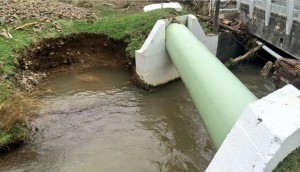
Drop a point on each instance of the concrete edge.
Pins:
(266, 132)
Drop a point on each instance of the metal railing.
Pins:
(288, 11)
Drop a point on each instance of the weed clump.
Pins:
(15, 110)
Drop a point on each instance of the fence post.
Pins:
(289, 16)
(268, 12)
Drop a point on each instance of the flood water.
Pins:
(97, 120)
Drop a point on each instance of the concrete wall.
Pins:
(275, 32)
(228, 47)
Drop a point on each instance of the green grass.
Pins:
(10, 51)
(5, 89)
(17, 134)
(8, 46)
(132, 28)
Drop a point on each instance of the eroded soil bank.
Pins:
(76, 52)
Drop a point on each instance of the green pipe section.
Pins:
(219, 96)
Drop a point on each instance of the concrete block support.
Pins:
(174, 5)
(153, 64)
(266, 132)
(211, 42)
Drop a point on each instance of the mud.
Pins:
(76, 52)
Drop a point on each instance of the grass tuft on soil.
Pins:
(14, 113)
(132, 28)
(15, 110)
(16, 135)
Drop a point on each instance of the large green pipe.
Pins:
(218, 95)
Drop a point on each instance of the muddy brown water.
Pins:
(97, 120)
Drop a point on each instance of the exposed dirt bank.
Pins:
(75, 52)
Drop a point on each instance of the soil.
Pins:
(15, 11)
(75, 52)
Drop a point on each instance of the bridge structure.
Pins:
(274, 21)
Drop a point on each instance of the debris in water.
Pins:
(249, 54)
(266, 69)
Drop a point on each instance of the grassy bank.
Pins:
(132, 28)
